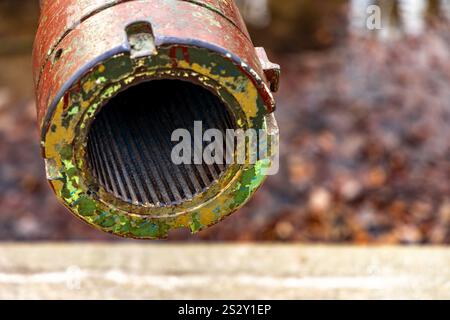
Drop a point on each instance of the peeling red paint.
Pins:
(64, 26)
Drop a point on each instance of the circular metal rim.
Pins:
(156, 212)
(64, 166)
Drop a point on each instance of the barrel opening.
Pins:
(129, 149)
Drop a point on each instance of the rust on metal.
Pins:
(95, 60)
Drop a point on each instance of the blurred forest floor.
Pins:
(365, 154)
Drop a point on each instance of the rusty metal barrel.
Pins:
(115, 78)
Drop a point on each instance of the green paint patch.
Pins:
(86, 206)
(66, 152)
(195, 225)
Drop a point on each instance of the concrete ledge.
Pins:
(98, 271)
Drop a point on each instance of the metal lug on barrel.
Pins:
(271, 70)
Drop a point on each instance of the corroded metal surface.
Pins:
(88, 51)
(73, 34)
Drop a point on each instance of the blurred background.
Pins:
(364, 118)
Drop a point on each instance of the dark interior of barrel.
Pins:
(130, 142)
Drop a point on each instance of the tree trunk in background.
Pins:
(298, 25)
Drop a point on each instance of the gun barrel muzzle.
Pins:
(117, 79)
